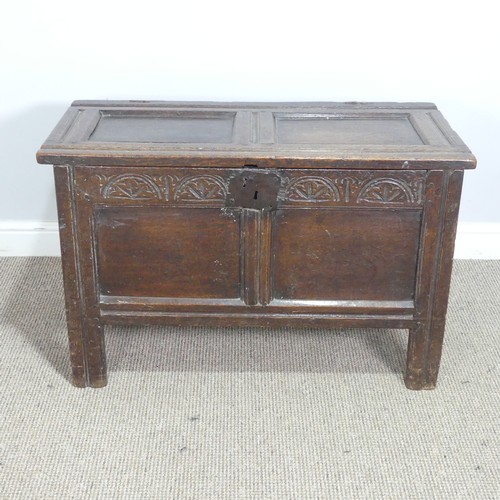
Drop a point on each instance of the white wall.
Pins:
(55, 51)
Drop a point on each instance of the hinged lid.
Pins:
(326, 135)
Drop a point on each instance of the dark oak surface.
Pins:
(256, 214)
(327, 135)
(182, 252)
(347, 257)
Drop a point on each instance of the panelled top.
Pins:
(291, 135)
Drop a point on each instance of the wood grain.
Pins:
(256, 214)
(273, 135)
(321, 254)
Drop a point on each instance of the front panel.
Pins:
(335, 254)
(317, 242)
(167, 252)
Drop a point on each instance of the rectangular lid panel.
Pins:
(164, 128)
(346, 129)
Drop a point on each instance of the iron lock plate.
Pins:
(253, 189)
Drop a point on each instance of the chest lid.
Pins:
(291, 135)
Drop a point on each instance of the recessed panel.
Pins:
(156, 128)
(334, 129)
(334, 254)
(168, 252)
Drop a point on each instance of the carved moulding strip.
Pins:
(355, 187)
(168, 187)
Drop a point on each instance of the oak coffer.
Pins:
(256, 214)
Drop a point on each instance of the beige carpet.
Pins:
(246, 413)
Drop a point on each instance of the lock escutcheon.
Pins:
(254, 189)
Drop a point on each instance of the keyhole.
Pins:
(255, 195)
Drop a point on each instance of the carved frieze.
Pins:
(356, 188)
(364, 188)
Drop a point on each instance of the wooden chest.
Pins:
(256, 214)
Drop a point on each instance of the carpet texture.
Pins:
(246, 413)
